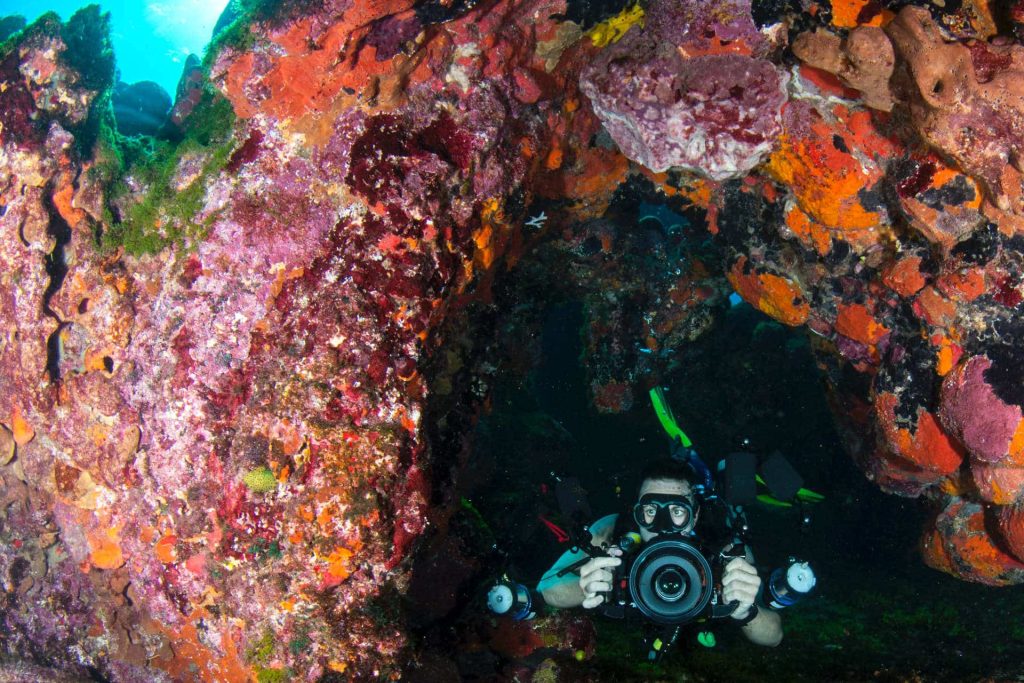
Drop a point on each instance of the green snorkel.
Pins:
(667, 419)
(683, 448)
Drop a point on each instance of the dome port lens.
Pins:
(670, 584)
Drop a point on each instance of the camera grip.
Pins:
(724, 610)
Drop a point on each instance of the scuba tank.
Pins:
(789, 585)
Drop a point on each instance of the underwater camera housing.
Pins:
(669, 582)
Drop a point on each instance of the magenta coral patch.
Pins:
(717, 115)
(971, 410)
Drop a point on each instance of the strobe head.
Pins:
(670, 582)
(508, 598)
(789, 585)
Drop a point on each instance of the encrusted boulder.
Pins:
(690, 90)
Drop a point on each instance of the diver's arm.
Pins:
(566, 594)
(741, 583)
(590, 588)
(567, 590)
(765, 628)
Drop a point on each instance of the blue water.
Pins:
(151, 38)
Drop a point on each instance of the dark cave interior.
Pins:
(744, 376)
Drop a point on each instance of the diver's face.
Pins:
(664, 491)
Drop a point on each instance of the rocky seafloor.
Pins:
(241, 364)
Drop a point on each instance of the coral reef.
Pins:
(213, 375)
(239, 366)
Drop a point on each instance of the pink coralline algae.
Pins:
(972, 410)
(670, 97)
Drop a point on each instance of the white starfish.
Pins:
(537, 221)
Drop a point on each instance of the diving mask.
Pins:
(664, 514)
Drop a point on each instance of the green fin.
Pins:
(667, 419)
(808, 496)
(772, 500)
(803, 495)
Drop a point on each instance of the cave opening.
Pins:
(736, 374)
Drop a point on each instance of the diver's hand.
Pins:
(596, 577)
(740, 582)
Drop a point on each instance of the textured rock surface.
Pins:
(688, 91)
(218, 423)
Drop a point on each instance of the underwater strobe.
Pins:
(790, 584)
(511, 599)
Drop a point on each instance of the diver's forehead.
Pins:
(669, 487)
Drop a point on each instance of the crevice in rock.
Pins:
(57, 269)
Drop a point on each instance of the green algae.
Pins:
(88, 52)
(260, 480)
(265, 550)
(269, 675)
(166, 214)
(298, 645)
(263, 649)
(88, 47)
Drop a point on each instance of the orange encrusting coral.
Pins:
(340, 564)
(20, 428)
(856, 322)
(827, 181)
(947, 355)
(934, 308)
(809, 231)
(929, 447)
(964, 285)
(165, 549)
(847, 14)
(904, 276)
(1000, 484)
(1016, 452)
(307, 77)
(63, 201)
(961, 540)
(194, 660)
(106, 549)
(773, 295)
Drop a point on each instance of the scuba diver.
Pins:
(667, 508)
(679, 555)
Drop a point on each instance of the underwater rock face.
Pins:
(140, 108)
(214, 428)
(929, 318)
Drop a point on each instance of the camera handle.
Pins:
(737, 548)
(580, 539)
(721, 611)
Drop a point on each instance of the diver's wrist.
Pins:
(752, 613)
